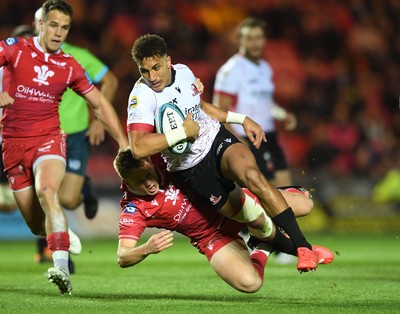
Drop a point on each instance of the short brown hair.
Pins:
(59, 5)
(124, 162)
(250, 22)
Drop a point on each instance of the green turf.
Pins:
(365, 278)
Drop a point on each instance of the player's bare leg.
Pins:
(239, 165)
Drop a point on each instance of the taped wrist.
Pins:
(278, 113)
(234, 117)
(175, 136)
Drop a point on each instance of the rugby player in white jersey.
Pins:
(244, 84)
(216, 164)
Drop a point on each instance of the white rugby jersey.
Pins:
(252, 87)
(144, 104)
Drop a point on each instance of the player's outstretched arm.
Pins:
(253, 130)
(130, 255)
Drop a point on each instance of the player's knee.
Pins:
(306, 207)
(249, 283)
(45, 193)
(69, 201)
(121, 259)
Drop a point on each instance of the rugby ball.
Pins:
(169, 118)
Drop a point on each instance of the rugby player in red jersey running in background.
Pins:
(36, 74)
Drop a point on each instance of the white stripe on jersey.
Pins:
(253, 86)
(144, 104)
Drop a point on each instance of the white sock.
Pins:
(60, 260)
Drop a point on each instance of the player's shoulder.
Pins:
(17, 42)
(140, 88)
(182, 69)
(232, 64)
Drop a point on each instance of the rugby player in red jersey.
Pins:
(148, 202)
(36, 74)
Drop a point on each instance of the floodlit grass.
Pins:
(364, 278)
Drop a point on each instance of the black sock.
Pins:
(287, 221)
(283, 244)
(41, 244)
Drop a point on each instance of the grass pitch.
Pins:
(364, 278)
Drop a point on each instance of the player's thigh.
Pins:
(71, 187)
(237, 161)
(232, 263)
(49, 173)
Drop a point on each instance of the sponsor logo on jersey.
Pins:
(133, 102)
(44, 149)
(178, 89)
(130, 208)
(126, 221)
(11, 41)
(214, 199)
(43, 73)
(33, 55)
(183, 211)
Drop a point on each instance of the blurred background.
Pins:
(336, 66)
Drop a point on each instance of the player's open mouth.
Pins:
(152, 189)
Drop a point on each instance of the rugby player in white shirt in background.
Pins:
(244, 84)
(216, 164)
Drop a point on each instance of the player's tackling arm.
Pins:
(129, 254)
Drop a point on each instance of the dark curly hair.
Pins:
(149, 45)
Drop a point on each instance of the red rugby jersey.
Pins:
(37, 80)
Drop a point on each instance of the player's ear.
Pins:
(168, 62)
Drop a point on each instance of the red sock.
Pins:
(58, 241)
(259, 259)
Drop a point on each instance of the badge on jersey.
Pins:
(133, 102)
(11, 41)
(130, 208)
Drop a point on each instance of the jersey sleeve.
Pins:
(141, 109)
(227, 79)
(132, 222)
(81, 82)
(6, 50)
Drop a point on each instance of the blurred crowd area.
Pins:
(336, 63)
